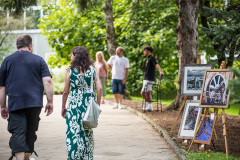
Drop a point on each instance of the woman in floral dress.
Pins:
(79, 140)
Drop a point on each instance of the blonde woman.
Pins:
(102, 72)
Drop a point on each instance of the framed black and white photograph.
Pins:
(192, 78)
(189, 119)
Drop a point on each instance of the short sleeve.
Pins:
(3, 73)
(126, 63)
(44, 69)
(110, 61)
(154, 62)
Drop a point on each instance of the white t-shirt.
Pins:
(119, 65)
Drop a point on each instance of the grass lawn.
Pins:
(233, 110)
(210, 156)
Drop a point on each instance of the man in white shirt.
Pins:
(119, 65)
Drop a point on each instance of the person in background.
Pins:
(23, 77)
(102, 72)
(119, 65)
(79, 139)
(149, 77)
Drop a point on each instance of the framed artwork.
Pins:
(192, 78)
(214, 91)
(189, 120)
(205, 132)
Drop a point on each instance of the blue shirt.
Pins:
(21, 73)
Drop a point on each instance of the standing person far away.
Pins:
(119, 65)
(79, 139)
(149, 77)
(23, 77)
(102, 72)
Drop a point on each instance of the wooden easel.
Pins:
(207, 110)
(184, 101)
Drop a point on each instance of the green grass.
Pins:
(210, 156)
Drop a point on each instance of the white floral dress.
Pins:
(79, 140)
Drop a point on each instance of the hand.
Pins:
(107, 80)
(4, 112)
(124, 81)
(64, 116)
(49, 108)
(161, 73)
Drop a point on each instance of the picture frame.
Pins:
(192, 78)
(204, 135)
(189, 119)
(214, 91)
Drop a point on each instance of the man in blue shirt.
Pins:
(23, 76)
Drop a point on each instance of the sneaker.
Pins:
(143, 107)
(120, 106)
(115, 106)
(31, 159)
(149, 108)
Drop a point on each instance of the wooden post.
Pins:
(183, 103)
(223, 66)
(198, 127)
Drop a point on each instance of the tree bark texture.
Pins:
(187, 40)
(111, 35)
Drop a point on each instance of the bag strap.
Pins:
(91, 79)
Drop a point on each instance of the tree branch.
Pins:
(128, 21)
(3, 39)
(126, 9)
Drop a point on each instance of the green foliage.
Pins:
(59, 82)
(17, 5)
(234, 86)
(152, 23)
(224, 32)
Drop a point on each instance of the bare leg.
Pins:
(120, 97)
(19, 156)
(116, 98)
(149, 95)
(26, 156)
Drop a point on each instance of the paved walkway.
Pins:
(121, 135)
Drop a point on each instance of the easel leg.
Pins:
(225, 131)
(183, 103)
(205, 113)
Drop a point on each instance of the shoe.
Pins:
(31, 159)
(115, 106)
(120, 106)
(149, 108)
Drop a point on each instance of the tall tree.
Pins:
(187, 40)
(110, 30)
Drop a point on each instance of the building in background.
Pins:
(40, 44)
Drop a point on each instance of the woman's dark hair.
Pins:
(149, 48)
(82, 59)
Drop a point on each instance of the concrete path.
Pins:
(121, 135)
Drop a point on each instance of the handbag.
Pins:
(93, 111)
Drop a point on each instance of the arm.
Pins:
(126, 75)
(99, 90)
(4, 110)
(47, 82)
(159, 70)
(107, 72)
(65, 90)
(109, 66)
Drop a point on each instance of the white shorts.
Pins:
(148, 85)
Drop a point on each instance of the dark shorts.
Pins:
(23, 124)
(118, 87)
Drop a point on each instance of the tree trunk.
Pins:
(111, 35)
(187, 33)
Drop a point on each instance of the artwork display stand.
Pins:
(207, 110)
(185, 141)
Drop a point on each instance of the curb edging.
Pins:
(162, 132)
